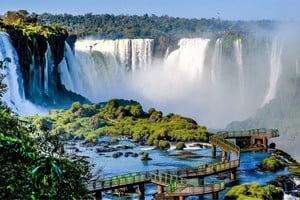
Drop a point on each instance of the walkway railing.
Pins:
(208, 187)
(167, 179)
(254, 132)
(174, 179)
(219, 140)
(179, 186)
(119, 181)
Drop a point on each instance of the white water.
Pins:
(189, 58)
(180, 83)
(216, 62)
(239, 60)
(14, 97)
(49, 65)
(132, 54)
(275, 70)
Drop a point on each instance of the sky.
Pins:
(284, 10)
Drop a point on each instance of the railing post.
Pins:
(215, 195)
(141, 191)
(200, 181)
(160, 189)
(265, 142)
(223, 155)
(233, 174)
(181, 197)
(98, 195)
(213, 151)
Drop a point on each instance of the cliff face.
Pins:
(40, 49)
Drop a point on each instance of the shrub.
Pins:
(254, 191)
(272, 164)
(180, 146)
(145, 156)
(164, 144)
(114, 140)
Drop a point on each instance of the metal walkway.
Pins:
(176, 180)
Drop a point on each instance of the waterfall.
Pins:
(275, 70)
(216, 70)
(14, 97)
(239, 60)
(189, 57)
(100, 65)
(181, 82)
(48, 70)
(132, 54)
(142, 50)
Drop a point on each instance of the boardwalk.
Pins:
(177, 181)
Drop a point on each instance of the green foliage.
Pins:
(180, 145)
(146, 26)
(121, 117)
(272, 163)
(145, 156)
(37, 167)
(28, 23)
(114, 140)
(163, 144)
(254, 191)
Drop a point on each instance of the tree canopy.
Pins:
(145, 26)
(34, 164)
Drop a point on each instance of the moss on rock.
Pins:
(254, 191)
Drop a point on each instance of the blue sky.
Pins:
(226, 9)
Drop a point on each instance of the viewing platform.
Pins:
(179, 183)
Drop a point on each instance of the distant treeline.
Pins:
(147, 26)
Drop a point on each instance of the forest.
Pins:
(147, 26)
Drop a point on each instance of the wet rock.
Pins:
(117, 155)
(128, 154)
(287, 184)
(105, 149)
(88, 144)
(134, 155)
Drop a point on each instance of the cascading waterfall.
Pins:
(100, 65)
(216, 61)
(275, 70)
(49, 65)
(142, 50)
(132, 54)
(239, 61)
(184, 81)
(99, 71)
(189, 57)
(14, 97)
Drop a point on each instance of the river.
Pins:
(106, 165)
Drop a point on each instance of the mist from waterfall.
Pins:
(14, 97)
(182, 82)
(200, 79)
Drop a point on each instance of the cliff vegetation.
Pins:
(31, 40)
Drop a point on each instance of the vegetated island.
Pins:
(121, 117)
